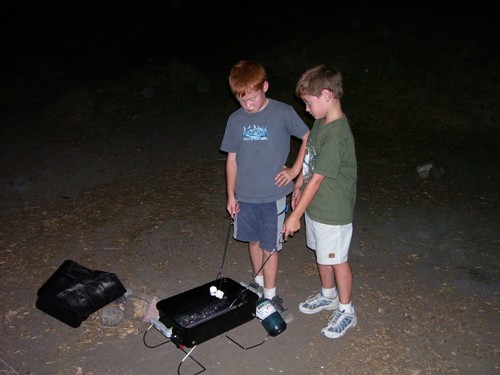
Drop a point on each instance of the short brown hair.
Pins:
(246, 76)
(318, 78)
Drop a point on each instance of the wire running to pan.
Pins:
(219, 275)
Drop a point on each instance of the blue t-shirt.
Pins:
(261, 142)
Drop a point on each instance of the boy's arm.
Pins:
(231, 169)
(297, 191)
(288, 174)
(292, 223)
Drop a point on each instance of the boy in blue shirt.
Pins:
(257, 142)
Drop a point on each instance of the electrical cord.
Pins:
(152, 346)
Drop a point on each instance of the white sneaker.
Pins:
(339, 323)
(317, 303)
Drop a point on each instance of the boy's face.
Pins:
(254, 101)
(319, 106)
(315, 106)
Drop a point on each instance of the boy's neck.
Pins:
(333, 114)
(266, 102)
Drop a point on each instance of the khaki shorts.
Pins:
(331, 242)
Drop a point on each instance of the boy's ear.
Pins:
(327, 94)
(265, 86)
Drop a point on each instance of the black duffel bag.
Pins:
(74, 292)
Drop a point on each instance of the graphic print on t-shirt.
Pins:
(254, 133)
(309, 162)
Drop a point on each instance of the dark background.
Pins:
(51, 46)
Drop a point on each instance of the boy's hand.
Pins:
(285, 177)
(232, 207)
(291, 226)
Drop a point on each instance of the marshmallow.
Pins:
(219, 294)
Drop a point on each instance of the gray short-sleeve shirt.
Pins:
(261, 142)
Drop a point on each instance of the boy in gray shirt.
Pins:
(257, 142)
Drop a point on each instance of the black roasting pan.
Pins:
(196, 316)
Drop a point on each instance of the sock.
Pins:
(269, 293)
(330, 293)
(347, 308)
(259, 280)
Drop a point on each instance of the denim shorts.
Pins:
(261, 222)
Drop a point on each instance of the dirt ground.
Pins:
(122, 173)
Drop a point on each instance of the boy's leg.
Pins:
(270, 218)
(270, 221)
(257, 283)
(322, 301)
(255, 253)
(343, 277)
(270, 270)
(331, 243)
(246, 228)
(319, 238)
(327, 276)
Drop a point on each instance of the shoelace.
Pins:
(314, 300)
(310, 299)
(335, 317)
(337, 324)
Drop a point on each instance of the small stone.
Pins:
(111, 316)
(135, 307)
